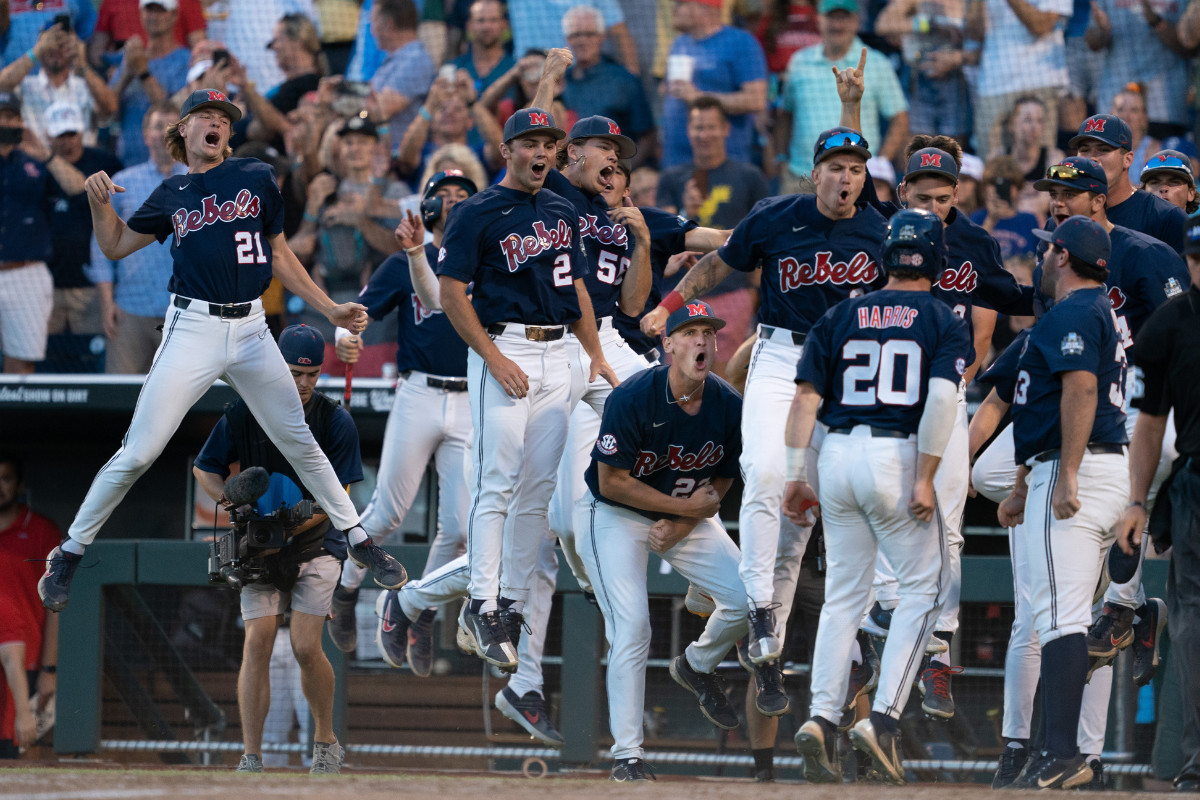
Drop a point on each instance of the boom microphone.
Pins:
(247, 486)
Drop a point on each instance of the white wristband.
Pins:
(797, 464)
(340, 333)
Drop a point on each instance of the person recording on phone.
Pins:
(303, 574)
(1003, 182)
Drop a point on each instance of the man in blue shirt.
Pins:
(28, 18)
(487, 58)
(403, 79)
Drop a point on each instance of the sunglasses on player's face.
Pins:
(849, 139)
(1167, 162)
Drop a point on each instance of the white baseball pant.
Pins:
(615, 550)
(198, 349)
(424, 423)
(515, 450)
(866, 486)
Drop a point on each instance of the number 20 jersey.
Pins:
(870, 358)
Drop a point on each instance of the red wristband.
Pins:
(672, 302)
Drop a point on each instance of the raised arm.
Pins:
(700, 280)
(705, 240)
(114, 237)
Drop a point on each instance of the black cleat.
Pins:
(762, 645)
(391, 633)
(1045, 771)
(1097, 783)
(821, 764)
(714, 705)
(1113, 631)
(55, 586)
(880, 619)
(420, 644)
(769, 697)
(935, 689)
(1012, 760)
(630, 769)
(386, 570)
(485, 636)
(764, 776)
(530, 713)
(514, 622)
(1095, 663)
(343, 628)
(883, 749)
(863, 676)
(1152, 617)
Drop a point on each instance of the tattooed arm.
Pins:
(700, 280)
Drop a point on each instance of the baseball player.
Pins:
(431, 415)
(815, 251)
(225, 218)
(521, 246)
(1072, 478)
(886, 368)
(666, 455)
(1168, 174)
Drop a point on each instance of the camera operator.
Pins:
(303, 574)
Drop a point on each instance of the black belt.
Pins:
(227, 311)
(797, 338)
(1098, 449)
(447, 384)
(534, 333)
(876, 433)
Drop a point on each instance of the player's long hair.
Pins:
(922, 141)
(177, 147)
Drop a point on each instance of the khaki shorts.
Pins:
(312, 594)
(77, 307)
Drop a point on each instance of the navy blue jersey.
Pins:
(668, 236)
(220, 222)
(809, 262)
(871, 358)
(426, 340)
(523, 252)
(1002, 374)
(1078, 333)
(644, 431)
(1152, 215)
(608, 246)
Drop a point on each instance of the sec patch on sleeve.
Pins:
(607, 444)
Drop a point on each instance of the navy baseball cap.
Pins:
(932, 161)
(1082, 238)
(1169, 161)
(210, 98)
(1076, 172)
(302, 346)
(361, 125)
(693, 311)
(531, 120)
(838, 140)
(1121, 567)
(1192, 246)
(1107, 128)
(10, 102)
(598, 127)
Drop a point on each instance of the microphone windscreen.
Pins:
(247, 486)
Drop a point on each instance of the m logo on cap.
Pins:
(214, 95)
(538, 119)
(1094, 126)
(931, 159)
(614, 129)
(697, 310)
(458, 173)
(303, 360)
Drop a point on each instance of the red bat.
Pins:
(349, 386)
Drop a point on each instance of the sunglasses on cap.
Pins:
(849, 139)
(1167, 162)
(1068, 172)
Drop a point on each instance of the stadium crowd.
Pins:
(355, 107)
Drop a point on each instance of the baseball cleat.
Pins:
(386, 570)
(1113, 631)
(714, 705)
(882, 747)
(821, 763)
(327, 759)
(250, 762)
(343, 627)
(1147, 632)
(485, 636)
(698, 602)
(513, 623)
(769, 697)
(935, 689)
(1045, 771)
(391, 632)
(530, 713)
(1012, 760)
(420, 643)
(1095, 663)
(1096, 784)
(54, 587)
(765, 776)
(935, 646)
(878, 621)
(864, 676)
(630, 769)
(762, 645)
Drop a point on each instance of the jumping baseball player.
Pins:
(666, 455)
(521, 246)
(431, 414)
(886, 368)
(1072, 479)
(225, 218)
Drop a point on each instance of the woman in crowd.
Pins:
(1130, 105)
(1022, 138)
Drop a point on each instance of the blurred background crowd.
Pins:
(356, 104)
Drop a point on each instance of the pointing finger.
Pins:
(862, 61)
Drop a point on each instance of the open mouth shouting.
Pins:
(606, 173)
(212, 138)
(538, 168)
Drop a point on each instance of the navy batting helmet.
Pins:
(431, 204)
(916, 242)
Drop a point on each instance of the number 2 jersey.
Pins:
(644, 431)
(870, 358)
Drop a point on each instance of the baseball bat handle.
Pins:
(349, 385)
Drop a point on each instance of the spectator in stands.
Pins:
(26, 286)
(715, 60)
(643, 187)
(76, 301)
(1003, 180)
(449, 114)
(1169, 175)
(403, 79)
(366, 57)
(298, 53)
(119, 21)
(810, 102)
(487, 57)
(249, 27)
(339, 24)
(133, 291)
(784, 28)
(148, 75)
(25, 22)
(1130, 106)
(454, 156)
(1084, 66)
(1023, 137)
(517, 88)
(931, 33)
(969, 179)
(538, 25)
(28, 633)
(597, 85)
(883, 175)
(1141, 45)
(64, 77)
(1023, 54)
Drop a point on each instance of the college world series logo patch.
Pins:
(607, 444)
(1072, 345)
